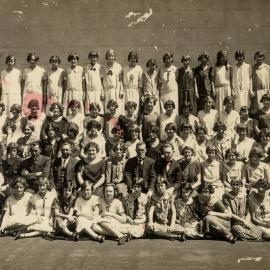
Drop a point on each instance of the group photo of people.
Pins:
(135, 150)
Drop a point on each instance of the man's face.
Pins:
(141, 150)
(168, 153)
(35, 151)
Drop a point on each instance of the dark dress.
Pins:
(186, 89)
(154, 152)
(148, 120)
(125, 123)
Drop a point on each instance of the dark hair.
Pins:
(131, 104)
(35, 143)
(187, 104)
(256, 151)
(241, 126)
(16, 107)
(150, 62)
(203, 54)
(187, 148)
(185, 57)
(67, 185)
(133, 55)
(265, 132)
(259, 54)
(11, 146)
(186, 186)
(19, 180)
(266, 96)
(199, 128)
(205, 186)
(74, 102)
(167, 145)
(113, 103)
(116, 129)
(237, 181)
(150, 98)
(169, 54)
(94, 105)
(228, 99)
(121, 145)
(161, 180)
(169, 103)
(91, 144)
(219, 55)
(49, 127)
(219, 124)
(243, 108)
(238, 53)
(28, 124)
(92, 54)
(262, 182)
(211, 147)
(153, 129)
(57, 105)
(93, 124)
(170, 126)
(33, 103)
(185, 125)
(135, 128)
(110, 51)
(3, 106)
(30, 55)
(231, 151)
(72, 56)
(55, 57)
(86, 184)
(9, 124)
(10, 57)
(73, 127)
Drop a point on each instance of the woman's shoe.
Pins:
(101, 239)
(129, 237)
(231, 239)
(76, 237)
(17, 236)
(122, 240)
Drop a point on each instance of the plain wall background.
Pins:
(181, 26)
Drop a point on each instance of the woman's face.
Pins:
(110, 57)
(11, 63)
(93, 131)
(13, 152)
(118, 152)
(204, 60)
(169, 109)
(242, 132)
(87, 192)
(186, 131)
(92, 152)
(169, 132)
(112, 109)
(231, 158)
(109, 192)
(130, 110)
(151, 67)
(94, 112)
(152, 135)
(185, 193)
(188, 154)
(186, 111)
(167, 60)
(161, 188)
(67, 192)
(56, 111)
(259, 60)
(19, 189)
(244, 114)
(54, 64)
(222, 59)
(229, 105)
(266, 103)
(240, 59)
(93, 60)
(205, 195)
(211, 154)
(51, 133)
(200, 135)
(27, 131)
(74, 62)
(235, 187)
(42, 187)
(150, 105)
(186, 62)
(34, 110)
(264, 138)
(134, 134)
(132, 62)
(254, 159)
(221, 131)
(32, 62)
(208, 105)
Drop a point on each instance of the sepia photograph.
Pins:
(134, 134)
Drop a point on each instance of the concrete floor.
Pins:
(28, 254)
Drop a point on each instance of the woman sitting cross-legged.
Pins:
(162, 214)
(235, 202)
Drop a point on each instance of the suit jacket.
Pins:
(132, 173)
(173, 175)
(61, 174)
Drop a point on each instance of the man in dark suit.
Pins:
(139, 170)
(63, 168)
(36, 166)
(169, 168)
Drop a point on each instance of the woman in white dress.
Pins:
(242, 81)
(10, 84)
(94, 88)
(132, 80)
(168, 87)
(33, 82)
(54, 82)
(112, 85)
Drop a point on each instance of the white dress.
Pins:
(33, 86)
(132, 84)
(94, 87)
(244, 147)
(221, 77)
(54, 86)
(77, 119)
(208, 120)
(74, 90)
(169, 87)
(11, 88)
(242, 85)
(112, 85)
(230, 120)
(163, 120)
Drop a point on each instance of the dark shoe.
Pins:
(182, 237)
(129, 237)
(122, 240)
(231, 239)
(101, 239)
(17, 236)
(76, 236)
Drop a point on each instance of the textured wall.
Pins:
(181, 26)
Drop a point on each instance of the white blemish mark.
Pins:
(249, 29)
(163, 25)
(220, 43)
(180, 19)
(185, 28)
(228, 38)
(143, 18)
(131, 13)
(255, 259)
(173, 31)
(18, 11)
(139, 49)
(45, 4)
(156, 48)
(144, 40)
(55, 3)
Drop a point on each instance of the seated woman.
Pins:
(255, 169)
(65, 222)
(221, 141)
(91, 168)
(201, 143)
(162, 214)
(263, 142)
(16, 209)
(57, 120)
(113, 216)
(259, 207)
(41, 209)
(115, 169)
(235, 203)
(153, 144)
(191, 168)
(252, 124)
(51, 145)
(242, 143)
(215, 217)
(117, 137)
(185, 215)
(94, 114)
(134, 139)
(25, 141)
(173, 139)
(86, 212)
(212, 172)
(231, 168)
(188, 137)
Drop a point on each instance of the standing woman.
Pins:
(54, 82)
(94, 87)
(203, 79)
(10, 84)
(187, 87)
(242, 81)
(222, 79)
(167, 86)
(33, 82)
(112, 85)
(74, 83)
(132, 80)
